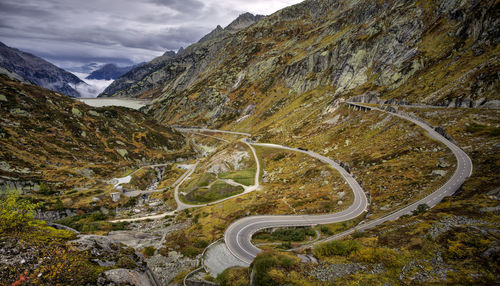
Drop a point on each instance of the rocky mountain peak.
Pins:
(212, 35)
(169, 54)
(244, 20)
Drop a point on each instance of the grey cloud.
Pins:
(10, 8)
(185, 6)
(119, 31)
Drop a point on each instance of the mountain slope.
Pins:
(38, 71)
(109, 71)
(127, 80)
(149, 79)
(46, 137)
(443, 53)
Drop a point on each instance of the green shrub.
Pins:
(122, 225)
(386, 256)
(195, 218)
(481, 129)
(46, 190)
(358, 234)
(15, 213)
(191, 251)
(58, 205)
(201, 243)
(97, 216)
(265, 262)
(286, 245)
(89, 227)
(422, 208)
(234, 276)
(325, 230)
(336, 247)
(126, 262)
(149, 251)
(279, 157)
(291, 234)
(131, 202)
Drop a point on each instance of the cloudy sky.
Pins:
(75, 32)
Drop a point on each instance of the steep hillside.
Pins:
(149, 79)
(39, 71)
(64, 144)
(129, 79)
(109, 71)
(430, 52)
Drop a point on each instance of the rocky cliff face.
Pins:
(151, 79)
(38, 71)
(430, 52)
(244, 20)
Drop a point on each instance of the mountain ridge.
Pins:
(39, 71)
(145, 80)
(109, 72)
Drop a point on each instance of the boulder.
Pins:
(126, 277)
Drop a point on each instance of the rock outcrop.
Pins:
(68, 257)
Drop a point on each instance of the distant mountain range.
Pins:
(38, 71)
(109, 72)
(87, 68)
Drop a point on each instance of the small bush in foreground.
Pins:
(15, 213)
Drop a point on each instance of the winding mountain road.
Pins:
(238, 235)
(462, 172)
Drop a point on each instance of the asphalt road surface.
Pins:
(238, 235)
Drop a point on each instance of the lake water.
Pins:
(100, 102)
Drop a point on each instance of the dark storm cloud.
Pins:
(69, 32)
(26, 10)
